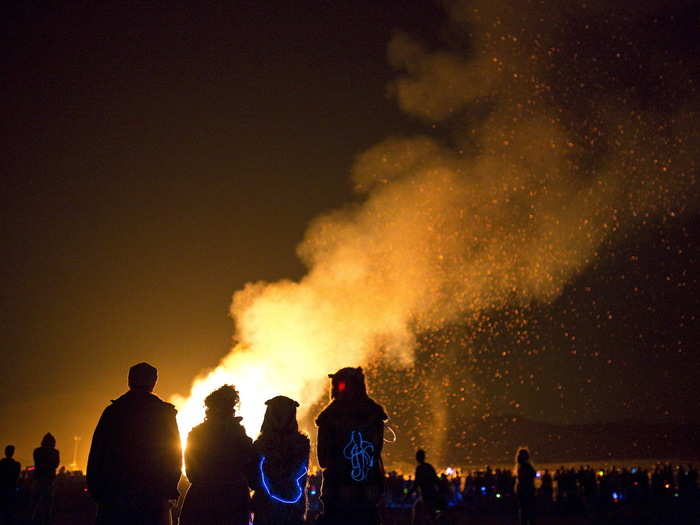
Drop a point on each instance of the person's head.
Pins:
(348, 384)
(221, 403)
(48, 440)
(9, 451)
(143, 376)
(420, 455)
(280, 416)
(523, 456)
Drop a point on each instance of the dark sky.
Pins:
(157, 159)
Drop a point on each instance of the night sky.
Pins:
(157, 159)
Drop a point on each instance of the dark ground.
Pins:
(628, 514)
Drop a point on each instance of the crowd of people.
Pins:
(42, 475)
(135, 467)
(135, 462)
(565, 491)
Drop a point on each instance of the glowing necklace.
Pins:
(296, 482)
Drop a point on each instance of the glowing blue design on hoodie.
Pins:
(361, 456)
(299, 488)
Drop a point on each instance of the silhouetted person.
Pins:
(427, 481)
(218, 460)
(547, 490)
(46, 460)
(350, 440)
(526, 487)
(281, 468)
(135, 457)
(9, 473)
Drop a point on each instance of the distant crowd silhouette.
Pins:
(46, 462)
(135, 468)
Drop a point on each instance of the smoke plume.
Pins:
(554, 129)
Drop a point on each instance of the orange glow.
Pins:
(256, 382)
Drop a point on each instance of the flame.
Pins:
(254, 378)
(248, 377)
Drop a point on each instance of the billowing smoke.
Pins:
(553, 130)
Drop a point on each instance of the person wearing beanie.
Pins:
(349, 447)
(282, 466)
(135, 456)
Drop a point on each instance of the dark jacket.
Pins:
(218, 460)
(350, 440)
(46, 458)
(427, 480)
(9, 473)
(526, 480)
(281, 466)
(135, 455)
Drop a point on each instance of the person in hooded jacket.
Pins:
(46, 461)
(219, 459)
(282, 466)
(350, 440)
(135, 456)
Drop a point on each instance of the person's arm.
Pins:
(191, 457)
(413, 489)
(380, 433)
(96, 471)
(307, 451)
(251, 461)
(173, 455)
(323, 446)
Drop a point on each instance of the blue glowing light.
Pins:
(483, 489)
(299, 489)
(361, 456)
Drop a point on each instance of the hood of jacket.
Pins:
(365, 410)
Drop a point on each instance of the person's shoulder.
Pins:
(377, 409)
(196, 430)
(131, 402)
(165, 406)
(326, 413)
(158, 404)
(302, 442)
(240, 430)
